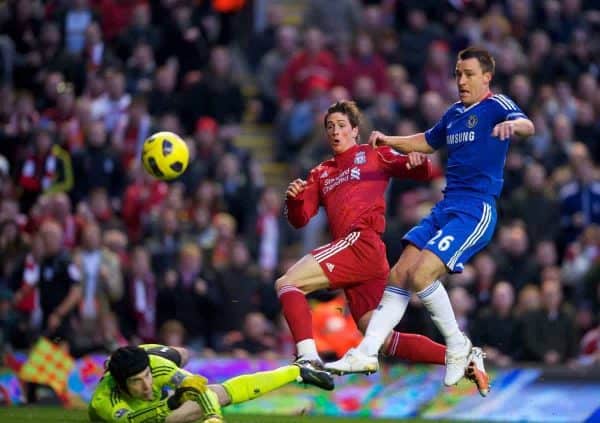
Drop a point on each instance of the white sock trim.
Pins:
(436, 299)
(307, 349)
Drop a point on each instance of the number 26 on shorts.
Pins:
(444, 243)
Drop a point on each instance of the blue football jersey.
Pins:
(475, 157)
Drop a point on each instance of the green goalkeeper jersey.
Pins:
(110, 404)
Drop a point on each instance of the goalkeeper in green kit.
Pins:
(136, 387)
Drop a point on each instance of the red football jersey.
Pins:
(351, 186)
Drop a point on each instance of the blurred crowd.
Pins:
(96, 253)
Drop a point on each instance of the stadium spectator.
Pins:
(26, 298)
(141, 67)
(548, 335)
(414, 38)
(462, 304)
(340, 18)
(13, 248)
(163, 98)
(165, 243)
(270, 231)
(437, 70)
(535, 205)
(101, 281)
(137, 310)
(39, 170)
(239, 285)
(112, 106)
(130, 132)
(364, 62)
(514, 263)
(271, 67)
(266, 36)
(59, 285)
(590, 348)
(97, 166)
(173, 332)
(486, 269)
(139, 30)
(96, 54)
(237, 188)
(304, 68)
(217, 95)
(496, 329)
(8, 320)
(24, 118)
(579, 197)
(257, 338)
(190, 294)
(141, 200)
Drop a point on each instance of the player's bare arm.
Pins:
(521, 127)
(189, 411)
(295, 187)
(407, 144)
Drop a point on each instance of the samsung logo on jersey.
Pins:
(460, 137)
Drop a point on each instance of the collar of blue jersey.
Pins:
(488, 95)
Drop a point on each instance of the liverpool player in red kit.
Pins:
(350, 186)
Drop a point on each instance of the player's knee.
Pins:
(420, 277)
(284, 281)
(281, 282)
(397, 276)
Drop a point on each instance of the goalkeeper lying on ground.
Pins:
(135, 387)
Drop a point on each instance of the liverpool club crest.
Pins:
(360, 158)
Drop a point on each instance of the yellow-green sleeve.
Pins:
(165, 372)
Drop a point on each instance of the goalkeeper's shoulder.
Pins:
(178, 355)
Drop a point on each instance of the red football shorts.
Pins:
(357, 264)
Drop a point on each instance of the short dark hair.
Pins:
(126, 362)
(485, 59)
(345, 107)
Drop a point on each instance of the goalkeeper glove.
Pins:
(189, 390)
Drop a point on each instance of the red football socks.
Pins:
(416, 348)
(297, 312)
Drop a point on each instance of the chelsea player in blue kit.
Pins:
(476, 132)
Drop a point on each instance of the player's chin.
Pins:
(336, 147)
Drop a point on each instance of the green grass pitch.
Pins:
(59, 415)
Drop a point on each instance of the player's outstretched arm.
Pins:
(521, 127)
(189, 412)
(301, 201)
(408, 144)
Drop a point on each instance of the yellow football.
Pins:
(165, 155)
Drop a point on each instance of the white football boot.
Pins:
(457, 360)
(354, 361)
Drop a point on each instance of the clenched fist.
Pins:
(295, 187)
(377, 139)
(504, 130)
(415, 160)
